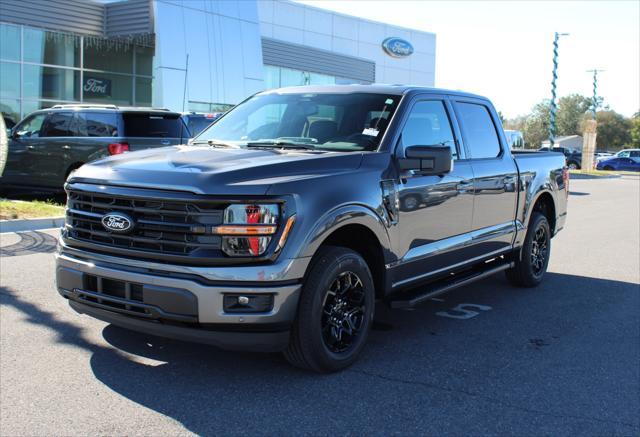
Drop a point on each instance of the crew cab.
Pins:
(285, 222)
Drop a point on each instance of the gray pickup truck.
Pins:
(288, 219)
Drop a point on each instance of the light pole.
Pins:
(553, 108)
(594, 102)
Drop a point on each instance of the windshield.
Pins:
(337, 122)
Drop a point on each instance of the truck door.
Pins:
(495, 177)
(435, 212)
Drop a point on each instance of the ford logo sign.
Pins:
(397, 47)
(117, 222)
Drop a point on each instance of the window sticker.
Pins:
(372, 132)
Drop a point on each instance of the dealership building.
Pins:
(196, 55)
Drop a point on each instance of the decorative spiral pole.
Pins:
(553, 107)
(594, 101)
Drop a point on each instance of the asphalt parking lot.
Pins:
(562, 359)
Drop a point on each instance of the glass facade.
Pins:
(39, 69)
(277, 77)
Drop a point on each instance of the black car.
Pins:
(47, 145)
(573, 156)
(363, 194)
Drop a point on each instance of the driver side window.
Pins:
(31, 127)
(428, 125)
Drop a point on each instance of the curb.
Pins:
(32, 224)
(588, 176)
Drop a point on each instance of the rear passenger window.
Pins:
(145, 125)
(58, 124)
(96, 124)
(428, 125)
(479, 131)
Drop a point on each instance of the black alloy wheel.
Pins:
(343, 312)
(529, 268)
(539, 251)
(335, 312)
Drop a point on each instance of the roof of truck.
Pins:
(375, 88)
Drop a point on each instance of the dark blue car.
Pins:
(620, 163)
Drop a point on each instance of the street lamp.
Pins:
(552, 117)
(594, 102)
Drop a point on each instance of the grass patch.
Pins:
(18, 209)
(604, 172)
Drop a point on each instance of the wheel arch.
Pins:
(545, 204)
(360, 229)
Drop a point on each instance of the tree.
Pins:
(536, 126)
(613, 130)
(571, 110)
(634, 131)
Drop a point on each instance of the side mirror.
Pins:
(427, 160)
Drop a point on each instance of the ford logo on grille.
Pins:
(397, 47)
(117, 222)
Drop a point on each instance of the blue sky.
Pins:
(503, 49)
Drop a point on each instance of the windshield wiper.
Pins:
(280, 144)
(214, 143)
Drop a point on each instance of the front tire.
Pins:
(335, 312)
(534, 257)
(573, 165)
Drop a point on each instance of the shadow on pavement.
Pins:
(212, 391)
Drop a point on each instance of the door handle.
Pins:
(66, 147)
(31, 147)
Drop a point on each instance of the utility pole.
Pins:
(594, 101)
(552, 117)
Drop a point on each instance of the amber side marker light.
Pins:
(285, 232)
(245, 230)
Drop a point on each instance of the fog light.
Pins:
(248, 303)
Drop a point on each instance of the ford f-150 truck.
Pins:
(288, 219)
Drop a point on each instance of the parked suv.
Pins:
(286, 220)
(47, 145)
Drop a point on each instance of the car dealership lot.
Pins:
(487, 358)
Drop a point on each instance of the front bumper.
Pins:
(178, 305)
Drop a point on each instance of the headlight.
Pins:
(248, 228)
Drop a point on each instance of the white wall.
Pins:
(302, 24)
(223, 43)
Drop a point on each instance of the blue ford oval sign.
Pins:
(117, 222)
(397, 47)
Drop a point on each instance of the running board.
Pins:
(411, 300)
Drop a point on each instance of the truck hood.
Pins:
(207, 170)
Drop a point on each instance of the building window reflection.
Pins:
(39, 69)
(278, 77)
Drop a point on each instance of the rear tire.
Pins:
(534, 256)
(335, 312)
(573, 165)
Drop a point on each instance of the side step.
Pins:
(412, 299)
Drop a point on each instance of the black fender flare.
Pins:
(344, 215)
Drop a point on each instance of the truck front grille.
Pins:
(167, 226)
